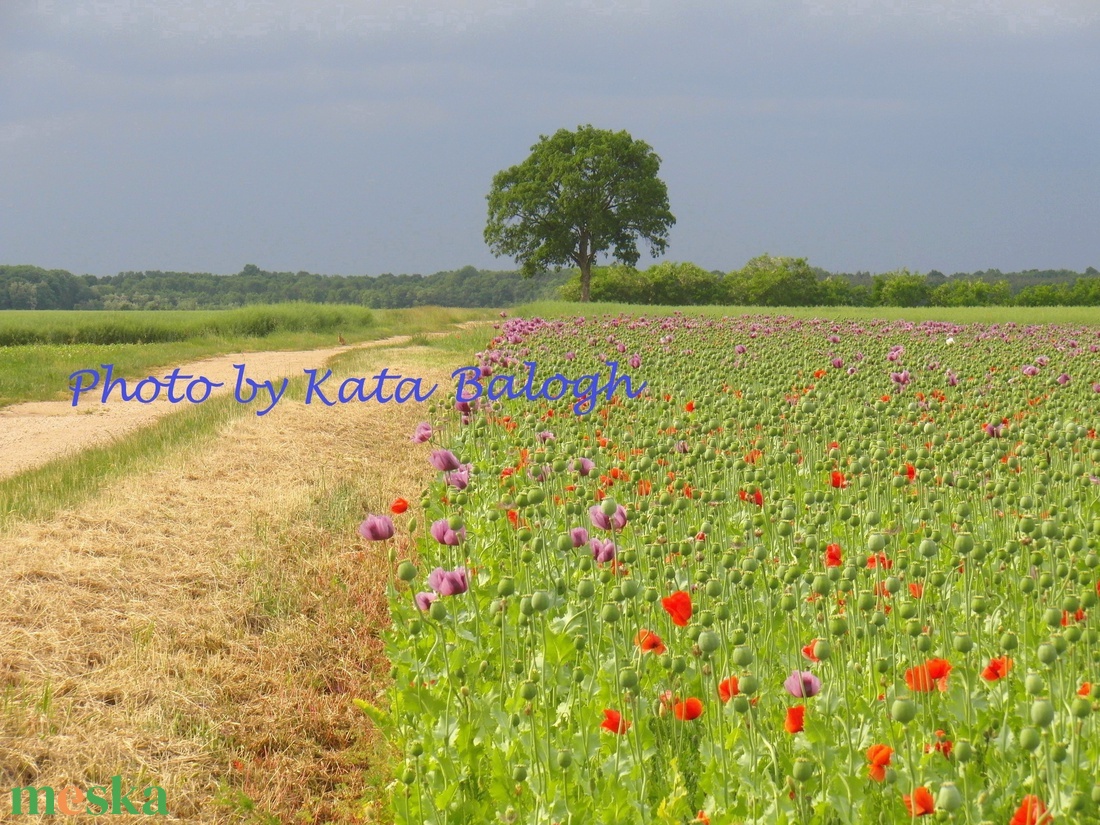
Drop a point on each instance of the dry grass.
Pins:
(204, 627)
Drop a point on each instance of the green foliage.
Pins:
(28, 287)
(773, 281)
(663, 284)
(900, 289)
(959, 292)
(578, 195)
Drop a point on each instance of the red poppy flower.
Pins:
(1032, 811)
(614, 722)
(701, 818)
(1078, 616)
(1085, 689)
(997, 669)
(678, 606)
(943, 745)
(910, 472)
(513, 517)
(880, 561)
(649, 642)
(645, 487)
(920, 803)
(689, 406)
(837, 479)
(808, 651)
(931, 674)
(885, 398)
(796, 717)
(758, 498)
(399, 505)
(879, 757)
(832, 555)
(916, 589)
(752, 456)
(688, 710)
(728, 688)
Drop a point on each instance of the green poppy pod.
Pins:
(1042, 713)
(709, 641)
(949, 799)
(748, 684)
(742, 656)
(903, 710)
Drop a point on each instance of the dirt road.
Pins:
(34, 433)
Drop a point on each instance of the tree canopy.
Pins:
(578, 195)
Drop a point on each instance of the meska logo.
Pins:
(96, 801)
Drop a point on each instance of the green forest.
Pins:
(766, 280)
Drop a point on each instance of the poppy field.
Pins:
(815, 572)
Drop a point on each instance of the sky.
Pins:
(362, 136)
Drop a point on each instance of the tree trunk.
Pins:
(586, 270)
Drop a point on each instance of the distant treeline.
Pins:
(777, 281)
(764, 281)
(29, 287)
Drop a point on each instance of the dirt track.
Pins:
(36, 432)
(203, 625)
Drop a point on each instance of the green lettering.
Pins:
(32, 800)
(97, 798)
(120, 800)
(161, 799)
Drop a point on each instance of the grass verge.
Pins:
(40, 350)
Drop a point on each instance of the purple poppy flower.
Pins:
(1042, 360)
(579, 536)
(739, 349)
(993, 430)
(422, 433)
(448, 583)
(838, 363)
(635, 362)
(604, 522)
(583, 466)
(376, 528)
(1030, 369)
(952, 379)
(682, 447)
(545, 436)
(1063, 379)
(459, 479)
(424, 600)
(444, 460)
(603, 550)
(802, 683)
(441, 531)
(569, 356)
(1096, 387)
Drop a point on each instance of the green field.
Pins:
(959, 315)
(40, 349)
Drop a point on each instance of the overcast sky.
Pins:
(361, 136)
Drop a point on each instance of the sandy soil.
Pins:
(203, 626)
(34, 433)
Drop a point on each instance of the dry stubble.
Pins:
(203, 627)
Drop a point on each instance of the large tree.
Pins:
(578, 195)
